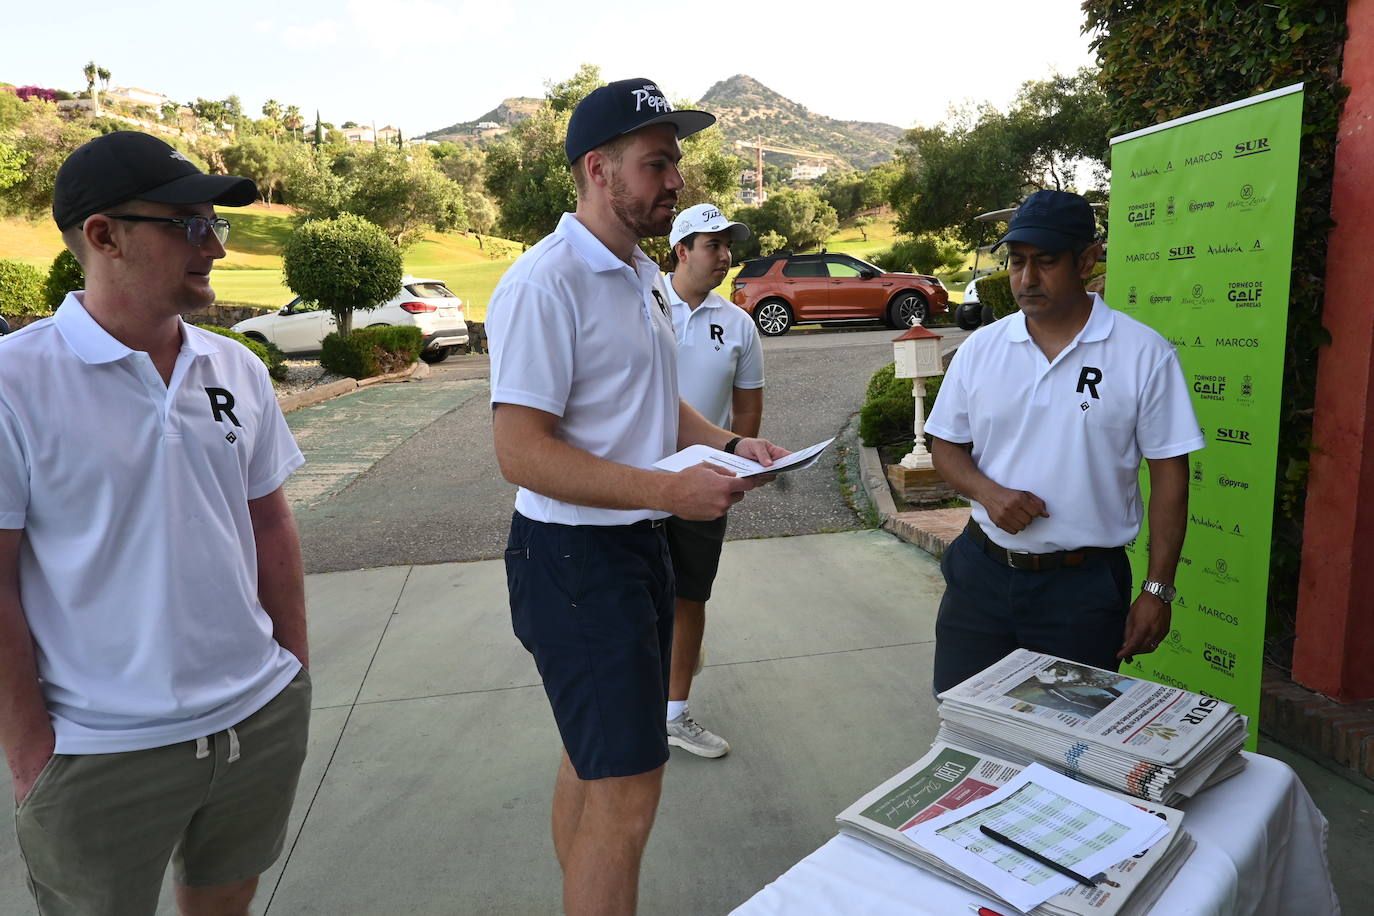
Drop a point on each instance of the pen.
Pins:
(1031, 853)
(983, 911)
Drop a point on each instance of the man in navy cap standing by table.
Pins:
(585, 399)
(1042, 422)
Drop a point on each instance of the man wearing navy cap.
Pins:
(153, 697)
(1042, 421)
(585, 399)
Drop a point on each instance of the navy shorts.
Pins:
(594, 606)
(695, 549)
(990, 609)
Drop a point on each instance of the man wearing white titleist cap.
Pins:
(720, 373)
(154, 703)
(585, 400)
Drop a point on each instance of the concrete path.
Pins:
(433, 750)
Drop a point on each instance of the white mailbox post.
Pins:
(917, 357)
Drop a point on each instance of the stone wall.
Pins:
(221, 316)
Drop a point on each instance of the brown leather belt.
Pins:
(1035, 562)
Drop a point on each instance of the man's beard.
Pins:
(637, 218)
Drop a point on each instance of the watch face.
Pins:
(1161, 591)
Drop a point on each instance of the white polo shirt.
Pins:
(1072, 431)
(718, 350)
(137, 566)
(576, 332)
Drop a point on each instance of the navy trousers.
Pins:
(990, 609)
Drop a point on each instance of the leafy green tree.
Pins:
(463, 164)
(90, 71)
(862, 223)
(64, 275)
(21, 289)
(801, 218)
(342, 264)
(482, 214)
(527, 174)
(770, 242)
(563, 96)
(404, 195)
(984, 159)
(272, 111)
(43, 140)
(263, 160)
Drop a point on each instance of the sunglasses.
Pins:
(198, 228)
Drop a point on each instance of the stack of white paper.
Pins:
(953, 788)
(1145, 739)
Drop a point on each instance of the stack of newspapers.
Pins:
(1148, 740)
(950, 776)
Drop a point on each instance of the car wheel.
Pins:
(773, 316)
(436, 355)
(254, 335)
(968, 317)
(908, 310)
(988, 316)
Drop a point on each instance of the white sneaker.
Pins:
(686, 733)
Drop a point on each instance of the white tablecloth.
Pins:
(1261, 851)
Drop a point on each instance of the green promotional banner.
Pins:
(1200, 249)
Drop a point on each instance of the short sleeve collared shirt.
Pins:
(578, 333)
(718, 350)
(138, 571)
(1072, 431)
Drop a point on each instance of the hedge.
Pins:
(371, 351)
(890, 409)
(1162, 59)
(272, 357)
(21, 289)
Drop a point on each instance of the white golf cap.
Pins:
(705, 218)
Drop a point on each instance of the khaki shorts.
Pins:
(97, 830)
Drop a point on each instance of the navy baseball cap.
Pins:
(1052, 221)
(624, 106)
(128, 165)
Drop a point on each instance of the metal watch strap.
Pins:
(1160, 590)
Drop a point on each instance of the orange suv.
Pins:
(784, 289)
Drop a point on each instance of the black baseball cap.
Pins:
(128, 165)
(624, 106)
(1052, 221)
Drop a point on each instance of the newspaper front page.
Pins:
(1153, 722)
(950, 776)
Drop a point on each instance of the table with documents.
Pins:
(1261, 851)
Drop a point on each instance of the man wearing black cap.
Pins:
(1042, 422)
(585, 399)
(153, 697)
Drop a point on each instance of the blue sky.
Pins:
(424, 64)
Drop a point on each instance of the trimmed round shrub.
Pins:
(21, 289)
(64, 275)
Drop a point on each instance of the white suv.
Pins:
(422, 303)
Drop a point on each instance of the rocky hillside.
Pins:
(748, 109)
(509, 113)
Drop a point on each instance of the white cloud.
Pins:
(305, 37)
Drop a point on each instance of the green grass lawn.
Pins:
(251, 271)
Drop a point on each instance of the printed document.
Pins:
(743, 467)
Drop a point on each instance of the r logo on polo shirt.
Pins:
(718, 335)
(222, 405)
(1090, 377)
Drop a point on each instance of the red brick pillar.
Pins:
(1334, 653)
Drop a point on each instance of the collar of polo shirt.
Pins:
(92, 343)
(1097, 327)
(591, 249)
(713, 299)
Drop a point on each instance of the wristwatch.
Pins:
(1165, 593)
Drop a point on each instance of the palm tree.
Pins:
(90, 72)
(292, 119)
(104, 78)
(271, 110)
